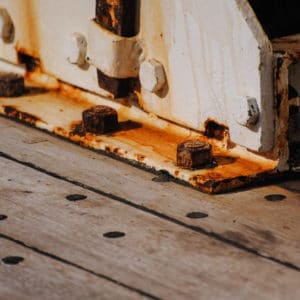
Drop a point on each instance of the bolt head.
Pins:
(194, 154)
(6, 26)
(152, 75)
(77, 49)
(100, 119)
(247, 112)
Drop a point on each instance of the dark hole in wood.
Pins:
(12, 260)
(196, 215)
(76, 197)
(3, 217)
(114, 234)
(275, 197)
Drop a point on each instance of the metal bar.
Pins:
(122, 18)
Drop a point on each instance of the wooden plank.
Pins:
(245, 218)
(159, 257)
(41, 277)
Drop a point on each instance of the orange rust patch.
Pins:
(239, 168)
(77, 128)
(61, 131)
(162, 142)
(215, 130)
(117, 152)
(14, 113)
(140, 157)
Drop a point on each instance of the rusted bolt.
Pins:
(246, 111)
(11, 84)
(77, 48)
(100, 119)
(6, 26)
(193, 154)
(152, 75)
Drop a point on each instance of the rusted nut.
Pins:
(100, 119)
(194, 154)
(11, 85)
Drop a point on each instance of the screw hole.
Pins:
(12, 260)
(76, 197)
(3, 217)
(275, 197)
(114, 234)
(196, 215)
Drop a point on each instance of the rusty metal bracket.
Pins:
(114, 55)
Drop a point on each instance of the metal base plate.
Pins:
(142, 138)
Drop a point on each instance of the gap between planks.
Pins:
(243, 219)
(40, 276)
(155, 256)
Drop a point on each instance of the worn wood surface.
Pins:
(157, 258)
(244, 218)
(41, 277)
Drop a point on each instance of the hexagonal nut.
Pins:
(11, 84)
(246, 111)
(77, 49)
(100, 119)
(152, 75)
(194, 154)
(6, 26)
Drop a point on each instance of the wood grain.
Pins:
(271, 229)
(156, 256)
(41, 277)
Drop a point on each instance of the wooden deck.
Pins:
(133, 237)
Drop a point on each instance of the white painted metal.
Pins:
(213, 53)
(152, 75)
(43, 28)
(212, 56)
(115, 56)
(13, 68)
(77, 49)
(246, 112)
(6, 26)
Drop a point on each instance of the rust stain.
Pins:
(215, 130)
(282, 62)
(32, 63)
(30, 43)
(140, 157)
(162, 142)
(239, 173)
(117, 151)
(77, 128)
(14, 113)
(118, 16)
